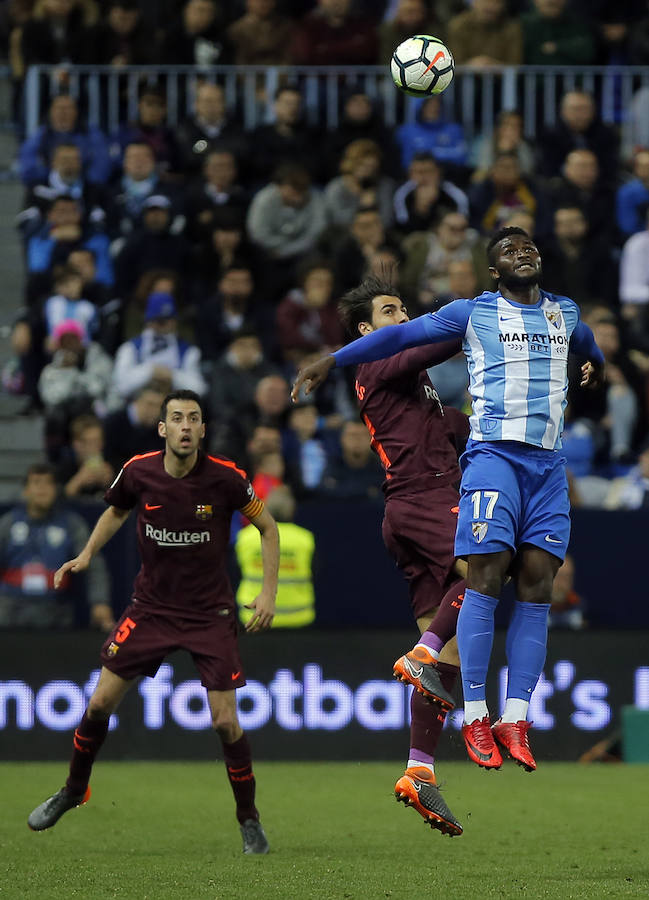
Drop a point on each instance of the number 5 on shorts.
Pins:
(124, 630)
(491, 498)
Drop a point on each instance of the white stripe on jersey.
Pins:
(475, 357)
(516, 383)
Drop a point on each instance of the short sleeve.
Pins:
(252, 505)
(121, 493)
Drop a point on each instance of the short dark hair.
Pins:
(356, 305)
(179, 395)
(499, 236)
(41, 468)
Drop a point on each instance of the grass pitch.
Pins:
(167, 830)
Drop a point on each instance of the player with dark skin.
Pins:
(211, 638)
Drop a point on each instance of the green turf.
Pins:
(167, 830)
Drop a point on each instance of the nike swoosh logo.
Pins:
(507, 318)
(485, 757)
(472, 685)
(235, 675)
(438, 55)
(416, 673)
(148, 507)
(552, 540)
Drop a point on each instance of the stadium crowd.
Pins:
(209, 257)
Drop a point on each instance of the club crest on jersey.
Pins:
(112, 649)
(554, 318)
(479, 530)
(203, 511)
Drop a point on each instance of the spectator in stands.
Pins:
(120, 39)
(56, 32)
(613, 407)
(634, 282)
(68, 303)
(134, 429)
(209, 128)
(507, 135)
(287, 139)
(580, 267)
(84, 262)
(233, 307)
(631, 491)
(63, 232)
(234, 379)
(426, 195)
(262, 36)
(153, 281)
(360, 183)
(306, 449)
(219, 188)
(158, 354)
(84, 471)
(197, 38)
(267, 473)
(331, 35)
(428, 255)
(76, 380)
(360, 119)
(137, 180)
(410, 17)
(285, 220)
(433, 133)
(264, 440)
(226, 244)
(566, 607)
(65, 178)
(36, 537)
(554, 37)
(486, 36)
(503, 191)
(580, 185)
(36, 152)
(639, 41)
(632, 198)
(152, 246)
(578, 128)
(357, 473)
(270, 407)
(150, 128)
(307, 319)
(356, 248)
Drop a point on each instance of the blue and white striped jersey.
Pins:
(517, 357)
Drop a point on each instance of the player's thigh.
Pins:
(138, 643)
(214, 647)
(547, 510)
(223, 707)
(490, 505)
(533, 572)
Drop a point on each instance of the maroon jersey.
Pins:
(183, 531)
(415, 437)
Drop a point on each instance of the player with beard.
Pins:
(182, 598)
(514, 507)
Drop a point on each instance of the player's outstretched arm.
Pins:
(312, 376)
(108, 523)
(582, 342)
(263, 605)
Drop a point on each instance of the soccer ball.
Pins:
(422, 65)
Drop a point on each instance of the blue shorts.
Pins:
(512, 494)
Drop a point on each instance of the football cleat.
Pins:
(417, 788)
(512, 736)
(480, 744)
(254, 838)
(417, 667)
(50, 811)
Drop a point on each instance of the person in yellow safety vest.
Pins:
(295, 603)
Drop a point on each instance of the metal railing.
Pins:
(474, 98)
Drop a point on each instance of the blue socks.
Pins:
(527, 639)
(475, 635)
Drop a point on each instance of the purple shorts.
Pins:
(142, 639)
(419, 533)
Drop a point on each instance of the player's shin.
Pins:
(238, 763)
(88, 738)
(444, 623)
(527, 638)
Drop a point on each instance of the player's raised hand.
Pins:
(264, 612)
(312, 376)
(592, 375)
(78, 564)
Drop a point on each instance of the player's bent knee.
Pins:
(101, 707)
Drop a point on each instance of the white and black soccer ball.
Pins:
(422, 65)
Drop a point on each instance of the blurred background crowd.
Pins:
(208, 255)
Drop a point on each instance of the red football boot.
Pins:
(480, 744)
(512, 736)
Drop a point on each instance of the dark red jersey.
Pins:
(415, 437)
(183, 531)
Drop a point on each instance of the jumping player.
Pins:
(182, 598)
(514, 507)
(416, 439)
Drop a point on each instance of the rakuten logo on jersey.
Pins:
(165, 538)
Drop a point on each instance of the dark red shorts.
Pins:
(142, 639)
(419, 533)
